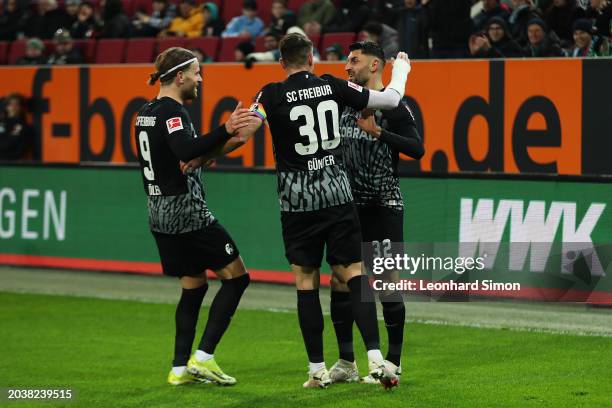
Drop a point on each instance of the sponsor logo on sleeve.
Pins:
(174, 124)
(355, 86)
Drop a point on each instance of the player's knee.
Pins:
(338, 286)
(193, 282)
(243, 281)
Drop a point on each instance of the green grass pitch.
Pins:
(116, 353)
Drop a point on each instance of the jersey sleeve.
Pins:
(402, 134)
(349, 93)
(262, 101)
(181, 140)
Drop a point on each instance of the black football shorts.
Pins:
(306, 234)
(191, 253)
(381, 223)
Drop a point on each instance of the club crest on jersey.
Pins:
(174, 124)
(355, 86)
(229, 248)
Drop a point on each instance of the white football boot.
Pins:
(319, 379)
(383, 372)
(344, 371)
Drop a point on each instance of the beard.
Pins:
(190, 93)
(359, 79)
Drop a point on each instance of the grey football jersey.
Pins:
(370, 163)
(176, 202)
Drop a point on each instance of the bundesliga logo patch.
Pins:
(174, 124)
(354, 86)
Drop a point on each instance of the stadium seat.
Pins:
(110, 51)
(139, 50)
(144, 6)
(16, 51)
(165, 43)
(4, 47)
(316, 39)
(208, 45)
(263, 10)
(49, 47)
(128, 7)
(232, 9)
(295, 5)
(226, 53)
(259, 44)
(87, 48)
(344, 39)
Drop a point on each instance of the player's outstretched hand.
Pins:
(402, 62)
(240, 118)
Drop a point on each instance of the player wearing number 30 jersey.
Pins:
(316, 203)
(190, 240)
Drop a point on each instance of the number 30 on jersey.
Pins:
(308, 129)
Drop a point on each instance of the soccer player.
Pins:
(189, 238)
(317, 208)
(371, 143)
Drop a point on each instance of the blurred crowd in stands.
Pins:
(422, 28)
(57, 32)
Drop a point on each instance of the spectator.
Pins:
(490, 8)
(351, 17)
(64, 53)
(115, 23)
(33, 53)
(334, 53)
(271, 53)
(600, 12)
(48, 19)
(12, 21)
(586, 43)
(270, 41)
(383, 35)
(560, 17)
(495, 42)
(16, 136)
(150, 25)
(450, 25)
(188, 23)
(248, 25)
(242, 50)
(541, 43)
(282, 18)
(202, 57)
(86, 24)
(523, 12)
(72, 10)
(213, 26)
(412, 30)
(386, 11)
(321, 12)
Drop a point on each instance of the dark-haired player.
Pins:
(189, 238)
(317, 208)
(371, 144)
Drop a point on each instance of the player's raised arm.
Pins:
(392, 95)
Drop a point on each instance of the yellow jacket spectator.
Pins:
(188, 23)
